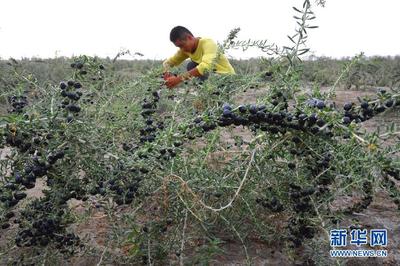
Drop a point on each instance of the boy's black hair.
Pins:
(179, 33)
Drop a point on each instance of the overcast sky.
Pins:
(49, 28)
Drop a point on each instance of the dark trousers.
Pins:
(192, 65)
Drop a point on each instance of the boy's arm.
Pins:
(175, 60)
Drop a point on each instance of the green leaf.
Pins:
(303, 51)
(297, 10)
(312, 27)
(290, 38)
(299, 59)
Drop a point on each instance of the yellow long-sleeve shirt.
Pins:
(204, 56)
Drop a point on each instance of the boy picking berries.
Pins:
(203, 53)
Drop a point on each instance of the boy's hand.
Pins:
(166, 66)
(173, 81)
(167, 75)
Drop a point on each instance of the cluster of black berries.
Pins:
(316, 103)
(11, 190)
(268, 75)
(41, 236)
(79, 66)
(11, 194)
(273, 204)
(147, 134)
(17, 139)
(127, 195)
(367, 110)
(123, 189)
(64, 190)
(128, 146)
(279, 101)
(83, 68)
(43, 225)
(167, 153)
(35, 170)
(38, 168)
(317, 166)
(70, 91)
(203, 125)
(18, 103)
(300, 198)
(258, 117)
(300, 228)
(5, 217)
(53, 157)
(24, 141)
